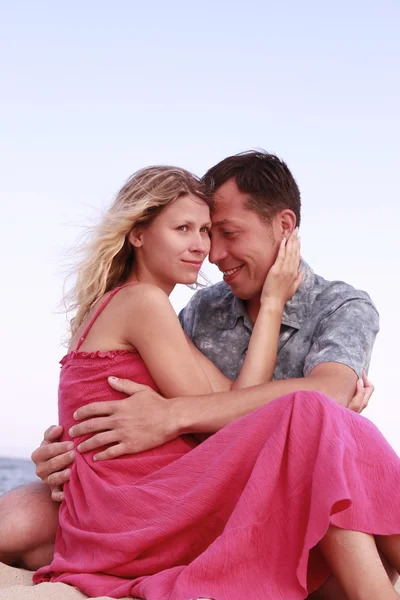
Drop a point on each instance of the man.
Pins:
(327, 333)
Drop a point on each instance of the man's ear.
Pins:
(136, 237)
(286, 222)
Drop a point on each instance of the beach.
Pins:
(16, 584)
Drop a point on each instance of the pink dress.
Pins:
(238, 516)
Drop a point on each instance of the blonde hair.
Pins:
(108, 257)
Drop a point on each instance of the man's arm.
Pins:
(341, 349)
(146, 420)
(209, 413)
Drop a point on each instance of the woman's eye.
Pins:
(205, 230)
(182, 228)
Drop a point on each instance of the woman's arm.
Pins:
(281, 283)
(153, 328)
(259, 364)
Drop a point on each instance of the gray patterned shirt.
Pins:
(325, 321)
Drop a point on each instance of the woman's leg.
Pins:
(28, 525)
(354, 560)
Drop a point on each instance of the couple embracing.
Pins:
(223, 456)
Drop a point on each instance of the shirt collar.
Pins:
(296, 310)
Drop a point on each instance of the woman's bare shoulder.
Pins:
(143, 296)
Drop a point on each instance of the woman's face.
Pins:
(173, 247)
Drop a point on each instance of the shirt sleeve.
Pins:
(345, 336)
(187, 315)
(183, 319)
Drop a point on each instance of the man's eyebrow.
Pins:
(225, 222)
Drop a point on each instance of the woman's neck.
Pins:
(140, 276)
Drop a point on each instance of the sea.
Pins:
(15, 472)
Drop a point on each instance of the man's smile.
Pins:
(231, 273)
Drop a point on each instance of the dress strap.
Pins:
(99, 311)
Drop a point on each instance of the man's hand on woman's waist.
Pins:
(142, 421)
(138, 423)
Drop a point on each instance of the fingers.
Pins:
(91, 426)
(283, 278)
(95, 409)
(98, 409)
(367, 396)
(126, 386)
(361, 397)
(281, 252)
(289, 252)
(58, 463)
(368, 388)
(356, 403)
(364, 391)
(99, 440)
(111, 452)
(288, 257)
(57, 494)
(58, 479)
(366, 381)
(293, 251)
(52, 434)
(48, 451)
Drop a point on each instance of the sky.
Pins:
(93, 91)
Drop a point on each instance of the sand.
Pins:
(16, 584)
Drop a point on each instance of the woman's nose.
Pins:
(200, 243)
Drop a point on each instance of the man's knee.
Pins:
(28, 518)
(331, 590)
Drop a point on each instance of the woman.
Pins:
(180, 521)
(165, 219)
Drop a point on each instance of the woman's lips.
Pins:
(193, 263)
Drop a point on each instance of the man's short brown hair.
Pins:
(264, 177)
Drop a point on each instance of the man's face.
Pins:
(242, 245)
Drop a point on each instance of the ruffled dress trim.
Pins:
(94, 355)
